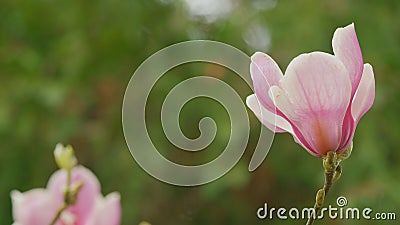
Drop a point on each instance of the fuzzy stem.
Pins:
(59, 212)
(67, 197)
(330, 165)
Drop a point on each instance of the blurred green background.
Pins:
(64, 66)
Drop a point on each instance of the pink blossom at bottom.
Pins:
(39, 206)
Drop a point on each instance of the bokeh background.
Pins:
(64, 66)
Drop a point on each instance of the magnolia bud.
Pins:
(329, 162)
(347, 152)
(337, 174)
(320, 197)
(65, 157)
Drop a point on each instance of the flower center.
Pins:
(322, 139)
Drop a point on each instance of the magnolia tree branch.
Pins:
(70, 197)
(332, 173)
(59, 212)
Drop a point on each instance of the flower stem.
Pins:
(332, 173)
(59, 212)
(67, 197)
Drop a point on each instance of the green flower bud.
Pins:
(73, 194)
(65, 157)
(346, 153)
(320, 197)
(337, 174)
(329, 162)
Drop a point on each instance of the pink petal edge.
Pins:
(264, 73)
(34, 207)
(346, 47)
(365, 94)
(107, 210)
(272, 121)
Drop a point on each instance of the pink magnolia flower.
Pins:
(39, 206)
(320, 99)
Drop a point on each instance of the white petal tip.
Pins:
(259, 56)
(114, 196)
(350, 27)
(15, 195)
(250, 99)
(367, 65)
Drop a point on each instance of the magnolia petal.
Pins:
(365, 94)
(87, 194)
(275, 123)
(272, 121)
(346, 47)
(362, 102)
(314, 95)
(107, 210)
(265, 73)
(34, 207)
